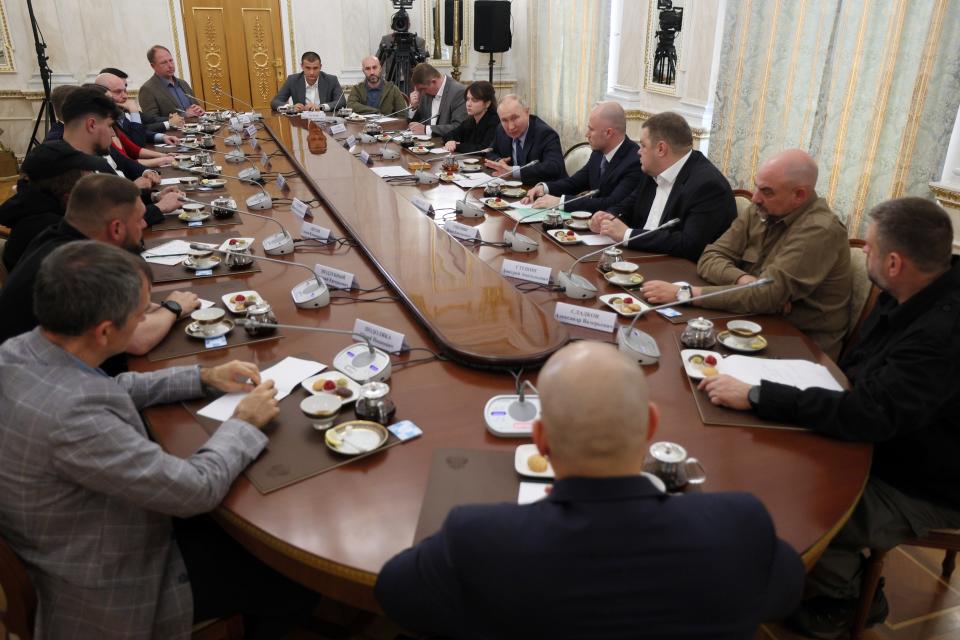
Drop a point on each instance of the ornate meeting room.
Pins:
(474, 319)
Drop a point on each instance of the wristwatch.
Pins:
(685, 292)
(172, 307)
(753, 397)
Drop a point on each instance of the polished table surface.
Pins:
(335, 531)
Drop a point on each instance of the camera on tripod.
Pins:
(400, 22)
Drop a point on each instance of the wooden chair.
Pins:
(576, 157)
(946, 539)
(18, 606)
(863, 295)
(743, 198)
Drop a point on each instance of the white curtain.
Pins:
(569, 44)
(869, 87)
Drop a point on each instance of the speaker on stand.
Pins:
(491, 28)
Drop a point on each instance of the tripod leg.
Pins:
(36, 125)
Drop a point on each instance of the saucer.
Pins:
(356, 437)
(197, 264)
(222, 328)
(624, 280)
(214, 183)
(757, 343)
(188, 218)
(579, 225)
(419, 150)
(513, 192)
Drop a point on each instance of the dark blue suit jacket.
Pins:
(701, 198)
(542, 143)
(618, 181)
(598, 558)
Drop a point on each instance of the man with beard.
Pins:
(106, 208)
(789, 234)
(903, 397)
(376, 95)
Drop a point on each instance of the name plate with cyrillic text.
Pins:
(253, 143)
(387, 339)
(583, 317)
(264, 159)
(423, 205)
(300, 208)
(338, 128)
(364, 157)
(282, 182)
(244, 118)
(461, 231)
(525, 271)
(251, 130)
(351, 141)
(314, 231)
(335, 278)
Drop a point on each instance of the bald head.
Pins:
(595, 410)
(371, 70)
(785, 182)
(606, 127)
(115, 85)
(610, 114)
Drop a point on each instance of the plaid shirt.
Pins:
(85, 495)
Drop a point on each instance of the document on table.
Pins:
(532, 491)
(169, 253)
(596, 240)
(166, 182)
(470, 183)
(390, 172)
(286, 375)
(518, 211)
(801, 374)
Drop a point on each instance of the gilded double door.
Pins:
(234, 47)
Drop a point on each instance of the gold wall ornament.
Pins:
(261, 60)
(457, 39)
(437, 52)
(213, 56)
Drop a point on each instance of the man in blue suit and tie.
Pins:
(521, 138)
(606, 554)
(613, 167)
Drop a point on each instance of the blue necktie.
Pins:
(603, 165)
(518, 158)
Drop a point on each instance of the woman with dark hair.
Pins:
(476, 132)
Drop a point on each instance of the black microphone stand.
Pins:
(46, 107)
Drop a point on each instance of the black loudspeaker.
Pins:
(448, 21)
(491, 26)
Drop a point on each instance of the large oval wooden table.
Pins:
(334, 531)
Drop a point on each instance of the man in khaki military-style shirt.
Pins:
(790, 235)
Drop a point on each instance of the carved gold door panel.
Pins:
(235, 49)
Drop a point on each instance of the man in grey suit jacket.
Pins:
(438, 101)
(310, 90)
(164, 93)
(85, 495)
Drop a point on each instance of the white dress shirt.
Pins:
(664, 186)
(313, 91)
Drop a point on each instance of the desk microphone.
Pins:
(521, 243)
(512, 416)
(309, 294)
(277, 244)
(250, 175)
(333, 109)
(642, 347)
(254, 114)
(209, 104)
(575, 286)
(468, 210)
(361, 361)
(395, 112)
(235, 156)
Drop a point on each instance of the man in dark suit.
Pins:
(164, 93)
(133, 123)
(606, 554)
(613, 167)
(680, 183)
(311, 89)
(438, 101)
(521, 138)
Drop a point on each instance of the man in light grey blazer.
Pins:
(310, 90)
(438, 101)
(164, 94)
(85, 495)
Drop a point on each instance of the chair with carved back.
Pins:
(863, 295)
(576, 157)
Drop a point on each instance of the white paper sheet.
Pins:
(439, 151)
(596, 240)
(796, 373)
(532, 491)
(169, 253)
(470, 183)
(390, 172)
(286, 374)
(166, 182)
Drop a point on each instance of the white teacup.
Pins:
(207, 319)
(194, 209)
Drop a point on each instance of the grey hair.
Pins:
(84, 283)
(513, 96)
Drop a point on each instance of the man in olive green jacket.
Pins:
(375, 95)
(789, 234)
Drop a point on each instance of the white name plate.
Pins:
(235, 121)
(253, 143)
(282, 182)
(338, 128)
(264, 159)
(351, 141)
(423, 205)
(335, 278)
(461, 231)
(387, 339)
(313, 115)
(244, 118)
(525, 271)
(251, 130)
(583, 317)
(364, 157)
(300, 208)
(314, 231)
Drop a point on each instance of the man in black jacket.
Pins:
(680, 183)
(904, 398)
(521, 138)
(613, 167)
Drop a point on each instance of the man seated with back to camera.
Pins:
(375, 94)
(788, 234)
(311, 89)
(613, 167)
(86, 498)
(606, 554)
(521, 138)
(903, 398)
(102, 207)
(680, 183)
